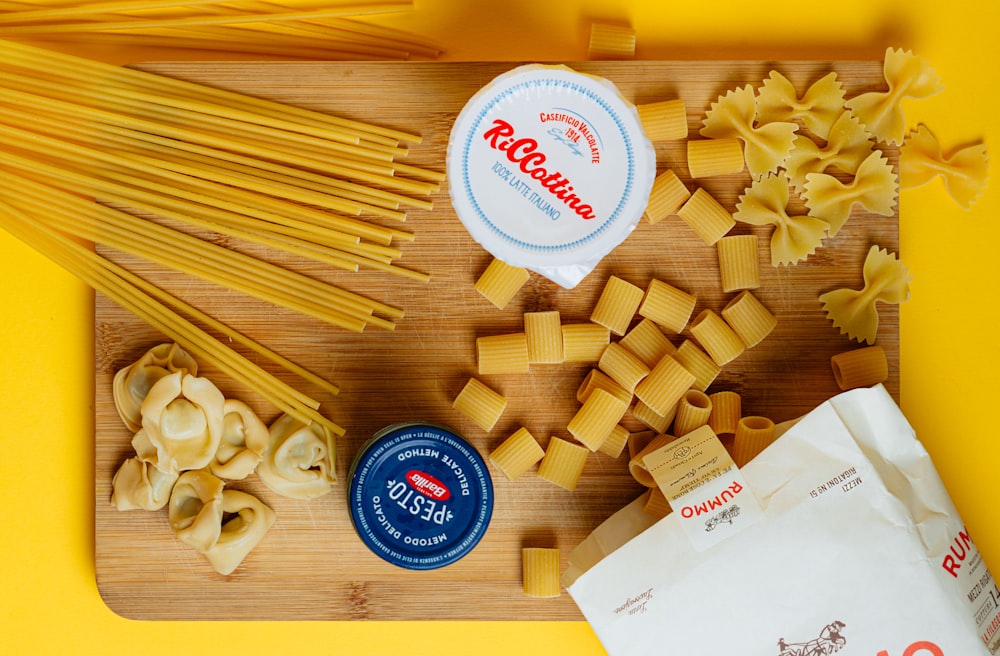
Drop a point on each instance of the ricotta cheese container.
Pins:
(420, 496)
(549, 169)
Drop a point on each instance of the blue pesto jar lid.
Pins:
(420, 496)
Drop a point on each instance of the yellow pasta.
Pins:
(908, 76)
(665, 120)
(795, 237)
(656, 503)
(596, 418)
(693, 411)
(597, 379)
(963, 171)
(862, 367)
(699, 363)
(610, 41)
(748, 317)
(666, 197)
(638, 441)
(615, 442)
(637, 468)
(647, 342)
(739, 263)
(584, 342)
(622, 366)
(502, 354)
(517, 454)
(665, 385)
(563, 463)
(708, 158)
(855, 312)
(617, 305)
(753, 435)
(874, 188)
(706, 216)
(540, 572)
(765, 146)
(846, 148)
(543, 330)
(652, 419)
(818, 108)
(727, 410)
(480, 403)
(500, 282)
(667, 305)
(719, 340)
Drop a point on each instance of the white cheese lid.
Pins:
(549, 169)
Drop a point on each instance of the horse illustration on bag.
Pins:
(829, 641)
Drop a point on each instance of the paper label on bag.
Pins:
(704, 487)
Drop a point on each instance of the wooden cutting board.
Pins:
(312, 565)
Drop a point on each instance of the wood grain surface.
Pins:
(312, 565)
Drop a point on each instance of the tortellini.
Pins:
(300, 460)
(139, 485)
(248, 521)
(243, 443)
(132, 383)
(195, 510)
(183, 418)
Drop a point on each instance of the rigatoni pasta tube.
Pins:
(563, 463)
(666, 197)
(540, 572)
(699, 363)
(706, 216)
(609, 41)
(543, 331)
(647, 342)
(665, 120)
(716, 337)
(862, 367)
(584, 342)
(656, 503)
(693, 411)
(753, 435)
(652, 419)
(635, 465)
(615, 442)
(665, 385)
(480, 403)
(739, 263)
(727, 410)
(595, 419)
(617, 305)
(502, 354)
(749, 319)
(517, 454)
(711, 157)
(597, 379)
(500, 282)
(622, 366)
(667, 305)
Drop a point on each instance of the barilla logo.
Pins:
(525, 153)
(710, 504)
(428, 485)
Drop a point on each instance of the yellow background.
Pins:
(49, 603)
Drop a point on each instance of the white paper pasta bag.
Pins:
(859, 551)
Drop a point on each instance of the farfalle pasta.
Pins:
(854, 312)
(765, 146)
(847, 147)
(243, 443)
(907, 76)
(963, 171)
(874, 188)
(818, 108)
(300, 460)
(182, 417)
(132, 383)
(795, 237)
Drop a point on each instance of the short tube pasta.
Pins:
(749, 319)
(480, 403)
(502, 354)
(862, 367)
(739, 265)
(617, 305)
(622, 366)
(727, 410)
(718, 339)
(609, 41)
(540, 572)
(597, 379)
(584, 342)
(615, 442)
(647, 342)
(652, 419)
(517, 454)
(667, 305)
(596, 418)
(753, 435)
(699, 363)
(666, 197)
(711, 157)
(706, 216)
(665, 120)
(638, 469)
(665, 385)
(563, 463)
(693, 411)
(543, 331)
(501, 282)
